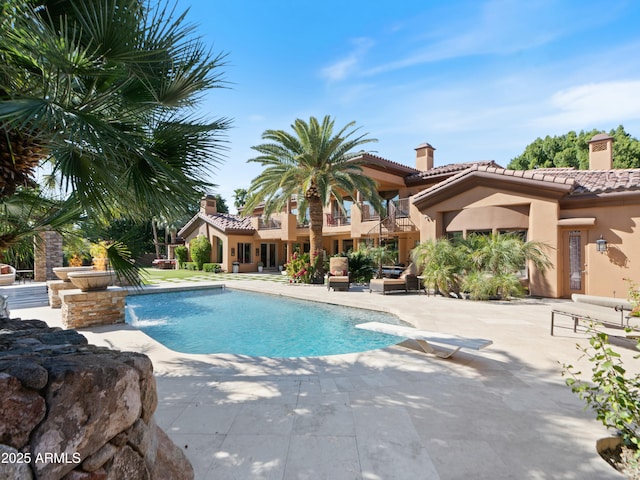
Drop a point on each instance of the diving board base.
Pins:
(426, 339)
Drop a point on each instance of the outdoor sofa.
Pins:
(408, 281)
(7, 274)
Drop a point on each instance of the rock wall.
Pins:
(70, 410)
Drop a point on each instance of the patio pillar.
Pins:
(47, 255)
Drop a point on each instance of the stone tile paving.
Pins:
(394, 413)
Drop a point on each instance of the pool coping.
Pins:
(513, 413)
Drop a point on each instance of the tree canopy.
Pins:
(572, 150)
(104, 94)
(314, 164)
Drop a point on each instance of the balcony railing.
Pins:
(402, 208)
(336, 220)
(368, 213)
(269, 224)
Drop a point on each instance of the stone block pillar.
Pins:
(88, 309)
(54, 287)
(48, 255)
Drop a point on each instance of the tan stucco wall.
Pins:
(619, 225)
(605, 274)
(542, 225)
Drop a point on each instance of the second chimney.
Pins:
(208, 205)
(601, 152)
(424, 157)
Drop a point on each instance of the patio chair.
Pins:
(7, 274)
(338, 276)
(407, 282)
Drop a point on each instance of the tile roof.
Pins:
(602, 181)
(581, 181)
(224, 222)
(368, 158)
(450, 168)
(227, 222)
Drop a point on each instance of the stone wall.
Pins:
(48, 255)
(88, 309)
(54, 287)
(70, 410)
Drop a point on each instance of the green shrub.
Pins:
(190, 266)
(361, 266)
(182, 255)
(613, 393)
(200, 250)
(211, 267)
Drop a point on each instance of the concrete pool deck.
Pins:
(393, 413)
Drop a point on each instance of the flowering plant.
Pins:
(299, 268)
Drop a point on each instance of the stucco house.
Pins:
(572, 211)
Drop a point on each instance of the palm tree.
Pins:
(239, 198)
(505, 253)
(103, 92)
(314, 165)
(442, 264)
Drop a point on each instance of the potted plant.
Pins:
(260, 266)
(98, 252)
(614, 395)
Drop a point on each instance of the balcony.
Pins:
(368, 213)
(269, 224)
(331, 220)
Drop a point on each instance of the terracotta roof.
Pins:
(370, 160)
(224, 222)
(227, 222)
(449, 169)
(602, 181)
(581, 181)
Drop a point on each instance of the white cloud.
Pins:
(344, 67)
(584, 106)
(497, 27)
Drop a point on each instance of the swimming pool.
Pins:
(255, 324)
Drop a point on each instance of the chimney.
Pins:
(601, 152)
(208, 205)
(424, 157)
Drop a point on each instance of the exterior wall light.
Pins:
(601, 244)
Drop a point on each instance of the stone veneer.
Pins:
(76, 411)
(87, 309)
(54, 287)
(48, 255)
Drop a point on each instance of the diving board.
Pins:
(425, 338)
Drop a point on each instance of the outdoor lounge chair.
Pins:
(7, 274)
(426, 339)
(407, 282)
(338, 276)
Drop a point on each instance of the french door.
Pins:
(268, 255)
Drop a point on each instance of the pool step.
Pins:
(26, 296)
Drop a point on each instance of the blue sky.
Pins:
(478, 80)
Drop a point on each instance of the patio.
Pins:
(502, 413)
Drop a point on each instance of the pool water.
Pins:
(255, 324)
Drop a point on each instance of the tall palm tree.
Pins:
(314, 165)
(103, 92)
